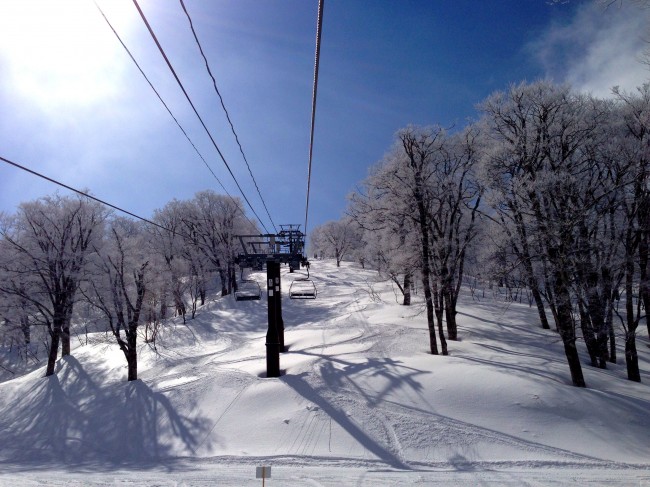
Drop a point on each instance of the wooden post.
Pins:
(263, 473)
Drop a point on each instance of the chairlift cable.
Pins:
(86, 195)
(180, 84)
(232, 128)
(319, 29)
(170, 112)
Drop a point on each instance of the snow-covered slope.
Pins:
(361, 402)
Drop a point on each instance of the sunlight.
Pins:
(61, 53)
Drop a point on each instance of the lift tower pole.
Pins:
(287, 247)
(273, 345)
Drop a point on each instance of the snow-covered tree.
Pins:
(119, 285)
(46, 246)
(169, 244)
(335, 239)
(632, 162)
(389, 236)
(212, 222)
(541, 170)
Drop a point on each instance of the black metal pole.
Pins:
(278, 311)
(272, 335)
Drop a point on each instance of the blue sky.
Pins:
(74, 107)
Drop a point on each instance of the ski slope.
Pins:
(360, 401)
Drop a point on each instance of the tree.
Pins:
(633, 163)
(635, 111)
(539, 166)
(389, 237)
(168, 243)
(455, 197)
(47, 243)
(398, 198)
(211, 221)
(118, 289)
(335, 239)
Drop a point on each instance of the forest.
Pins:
(546, 195)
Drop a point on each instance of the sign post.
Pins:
(263, 473)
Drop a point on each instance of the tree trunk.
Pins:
(426, 265)
(566, 326)
(450, 313)
(443, 341)
(537, 296)
(573, 359)
(631, 357)
(407, 289)
(55, 335)
(438, 305)
(132, 355)
(433, 342)
(65, 333)
(441, 332)
(612, 336)
(604, 322)
(223, 277)
(548, 287)
(528, 267)
(25, 329)
(588, 334)
(232, 278)
(65, 341)
(163, 305)
(644, 279)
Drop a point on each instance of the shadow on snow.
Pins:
(67, 420)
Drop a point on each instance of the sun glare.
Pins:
(60, 52)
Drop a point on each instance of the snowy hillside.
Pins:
(360, 402)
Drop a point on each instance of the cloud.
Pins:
(599, 48)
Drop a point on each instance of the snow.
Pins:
(360, 401)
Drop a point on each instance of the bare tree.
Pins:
(211, 221)
(120, 285)
(335, 239)
(50, 240)
(399, 190)
(169, 245)
(635, 111)
(539, 164)
(389, 237)
(455, 197)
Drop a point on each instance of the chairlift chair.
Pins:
(302, 288)
(248, 291)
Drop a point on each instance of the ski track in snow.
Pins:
(360, 402)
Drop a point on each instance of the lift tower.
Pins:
(285, 247)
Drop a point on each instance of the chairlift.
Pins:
(248, 291)
(302, 288)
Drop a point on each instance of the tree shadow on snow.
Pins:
(69, 421)
(313, 395)
(352, 374)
